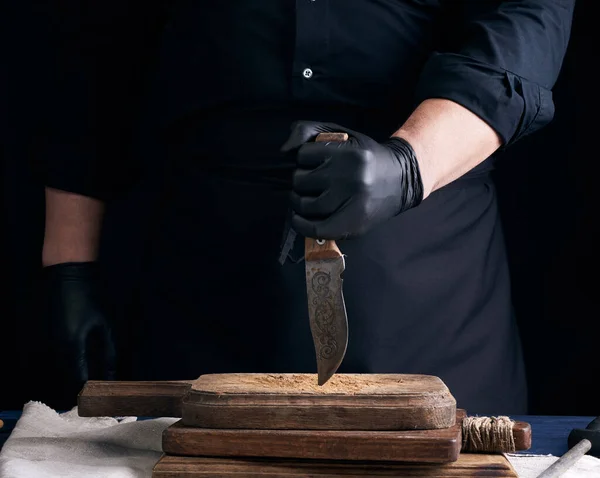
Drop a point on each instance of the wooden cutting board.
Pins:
(282, 401)
(427, 446)
(467, 466)
(296, 402)
(437, 446)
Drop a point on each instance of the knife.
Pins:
(326, 308)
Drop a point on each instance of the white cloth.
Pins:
(46, 444)
(530, 466)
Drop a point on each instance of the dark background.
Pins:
(547, 189)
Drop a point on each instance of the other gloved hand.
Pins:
(81, 336)
(344, 189)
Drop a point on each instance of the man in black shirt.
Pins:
(224, 100)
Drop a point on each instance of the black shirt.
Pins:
(248, 67)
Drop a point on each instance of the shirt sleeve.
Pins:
(100, 55)
(500, 59)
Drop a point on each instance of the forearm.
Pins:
(448, 140)
(72, 229)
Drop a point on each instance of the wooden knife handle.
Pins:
(332, 137)
(317, 249)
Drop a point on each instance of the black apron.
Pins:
(428, 292)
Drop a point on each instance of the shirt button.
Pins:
(307, 73)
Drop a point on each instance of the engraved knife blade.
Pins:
(326, 308)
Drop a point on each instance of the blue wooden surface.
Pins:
(549, 433)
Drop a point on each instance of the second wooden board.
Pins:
(426, 446)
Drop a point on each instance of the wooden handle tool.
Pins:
(326, 308)
(316, 249)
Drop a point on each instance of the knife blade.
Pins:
(325, 265)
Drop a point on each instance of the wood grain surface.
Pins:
(436, 446)
(467, 466)
(295, 402)
(313, 251)
(431, 446)
(133, 399)
(331, 137)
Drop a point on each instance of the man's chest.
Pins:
(262, 44)
(309, 56)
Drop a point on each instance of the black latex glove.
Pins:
(344, 189)
(82, 343)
